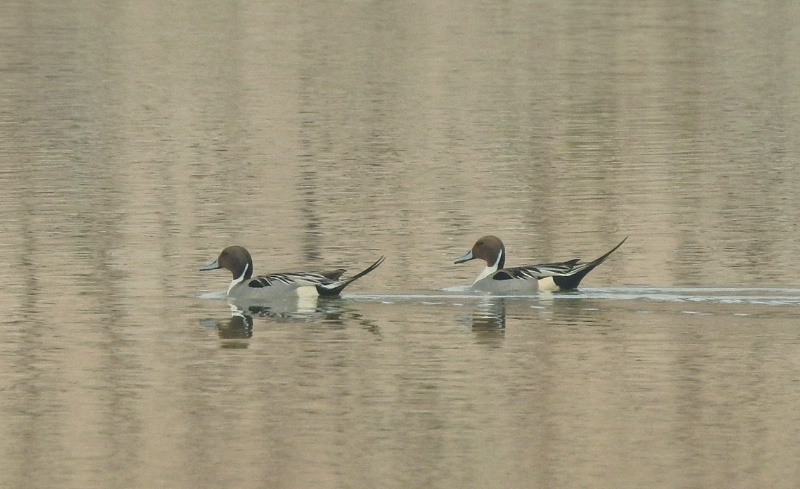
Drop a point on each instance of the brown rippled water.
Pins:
(139, 139)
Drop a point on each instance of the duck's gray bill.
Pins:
(210, 266)
(464, 258)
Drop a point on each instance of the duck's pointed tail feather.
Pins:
(572, 280)
(329, 290)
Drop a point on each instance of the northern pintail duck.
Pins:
(525, 279)
(278, 285)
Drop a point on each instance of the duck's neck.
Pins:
(489, 270)
(246, 273)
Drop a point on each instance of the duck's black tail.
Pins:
(332, 289)
(571, 281)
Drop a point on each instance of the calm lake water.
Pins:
(140, 138)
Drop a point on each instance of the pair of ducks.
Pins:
(494, 278)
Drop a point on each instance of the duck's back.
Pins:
(503, 282)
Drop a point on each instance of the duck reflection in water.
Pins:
(238, 327)
(303, 309)
(488, 321)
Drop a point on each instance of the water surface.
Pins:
(140, 139)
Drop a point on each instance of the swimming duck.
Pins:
(525, 279)
(278, 285)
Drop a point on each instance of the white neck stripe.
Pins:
(489, 269)
(239, 280)
(497, 262)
